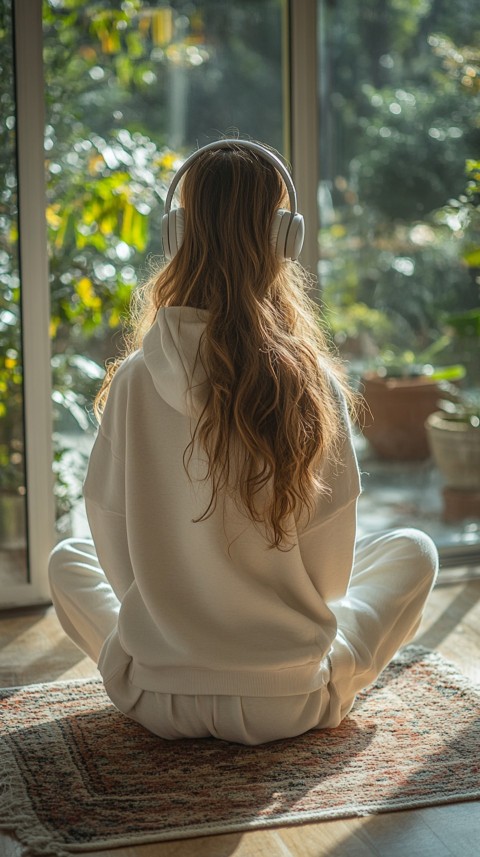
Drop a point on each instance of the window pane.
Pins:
(400, 247)
(13, 566)
(131, 89)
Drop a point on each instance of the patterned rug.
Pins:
(80, 776)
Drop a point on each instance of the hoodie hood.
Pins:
(171, 351)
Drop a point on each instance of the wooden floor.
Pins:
(33, 648)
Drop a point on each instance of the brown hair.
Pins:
(271, 417)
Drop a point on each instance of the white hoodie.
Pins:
(208, 607)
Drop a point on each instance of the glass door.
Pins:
(399, 251)
(26, 496)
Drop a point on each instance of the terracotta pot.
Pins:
(455, 448)
(395, 414)
(460, 505)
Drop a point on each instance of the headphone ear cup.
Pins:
(287, 234)
(173, 227)
(278, 233)
(295, 237)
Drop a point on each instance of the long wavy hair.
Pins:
(272, 417)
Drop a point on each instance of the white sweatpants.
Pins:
(392, 577)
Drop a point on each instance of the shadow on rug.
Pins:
(79, 774)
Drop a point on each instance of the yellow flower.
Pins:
(53, 219)
(85, 292)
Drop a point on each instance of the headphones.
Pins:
(288, 227)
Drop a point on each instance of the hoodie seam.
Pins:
(104, 508)
(175, 339)
(110, 443)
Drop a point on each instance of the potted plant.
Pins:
(454, 439)
(398, 397)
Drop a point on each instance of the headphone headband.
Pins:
(226, 144)
(287, 227)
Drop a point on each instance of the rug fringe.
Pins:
(16, 812)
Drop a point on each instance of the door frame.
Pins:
(35, 303)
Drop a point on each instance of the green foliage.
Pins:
(104, 202)
(399, 267)
(105, 184)
(463, 408)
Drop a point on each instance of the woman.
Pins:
(224, 591)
